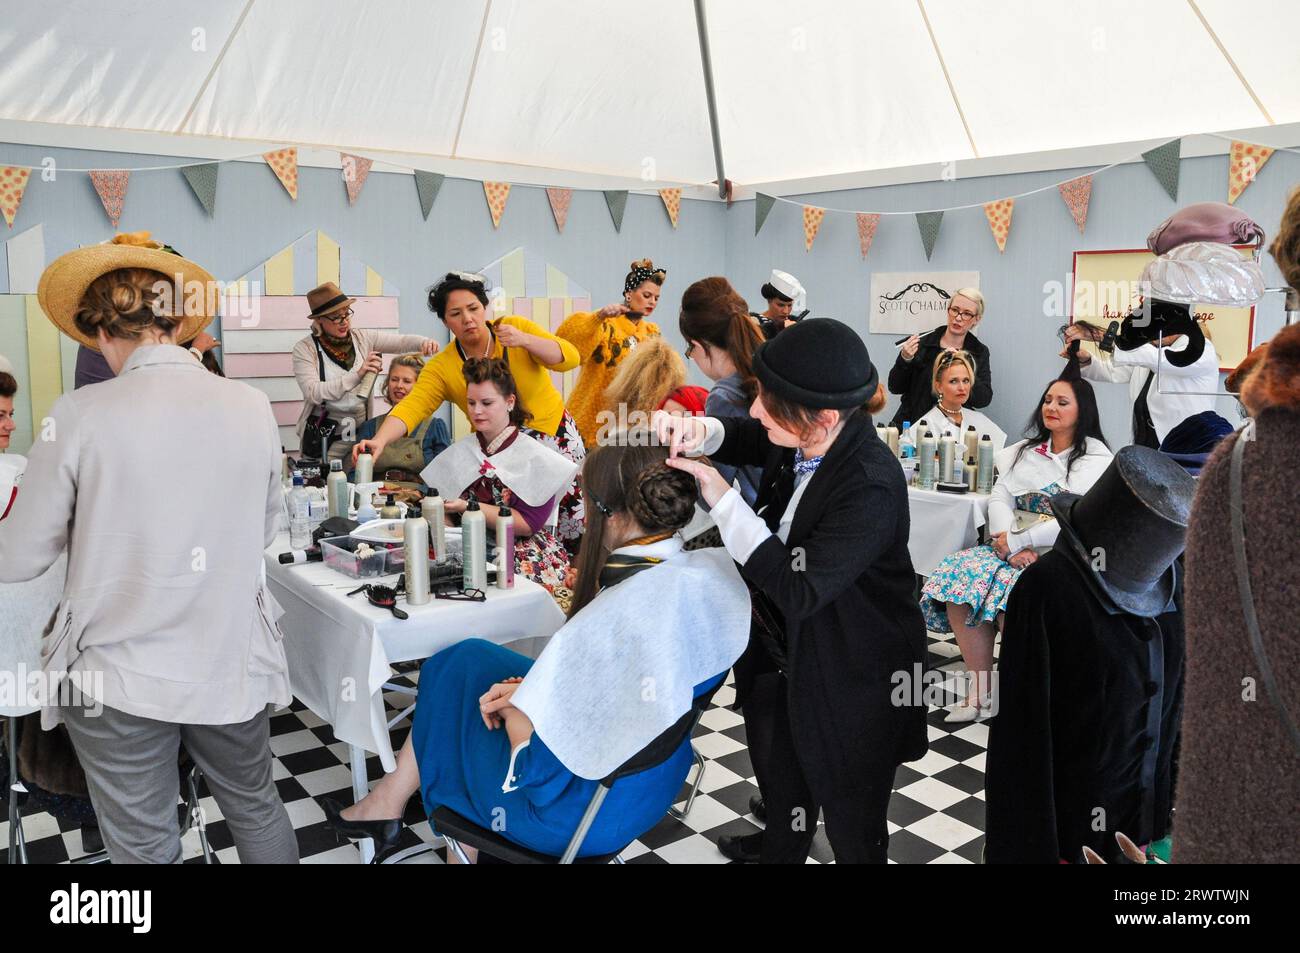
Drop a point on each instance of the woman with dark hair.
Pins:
(1063, 451)
(531, 352)
(500, 465)
(605, 337)
(651, 628)
(825, 554)
(780, 292)
(721, 339)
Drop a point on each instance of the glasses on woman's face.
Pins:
(337, 319)
(690, 346)
(956, 312)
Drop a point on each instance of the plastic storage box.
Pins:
(340, 553)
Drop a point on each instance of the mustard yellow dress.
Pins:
(601, 344)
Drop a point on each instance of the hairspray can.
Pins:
(435, 514)
(415, 550)
(336, 490)
(505, 548)
(473, 532)
(925, 464)
(972, 443)
(947, 452)
(971, 472)
(364, 471)
(984, 478)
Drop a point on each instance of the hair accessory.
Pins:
(640, 273)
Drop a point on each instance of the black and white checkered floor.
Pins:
(936, 814)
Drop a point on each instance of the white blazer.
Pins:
(1170, 403)
(163, 485)
(939, 425)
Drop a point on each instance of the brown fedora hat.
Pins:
(64, 282)
(327, 299)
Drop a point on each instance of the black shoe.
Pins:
(92, 842)
(384, 833)
(743, 848)
(758, 807)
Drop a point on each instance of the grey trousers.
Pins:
(131, 770)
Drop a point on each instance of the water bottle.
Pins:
(299, 514)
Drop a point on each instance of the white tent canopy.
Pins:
(615, 89)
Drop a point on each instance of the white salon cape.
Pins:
(1181, 392)
(532, 471)
(938, 424)
(1037, 469)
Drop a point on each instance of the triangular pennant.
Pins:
(762, 206)
(203, 182)
(928, 223)
(1076, 194)
(356, 169)
(867, 222)
(1245, 161)
(427, 184)
(284, 163)
(672, 202)
(617, 202)
(560, 199)
(999, 215)
(496, 194)
(111, 186)
(1163, 161)
(13, 183)
(812, 221)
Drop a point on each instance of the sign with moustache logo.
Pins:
(913, 302)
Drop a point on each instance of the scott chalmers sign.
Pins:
(913, 302)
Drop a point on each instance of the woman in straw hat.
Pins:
(165, 625)
(336, 366)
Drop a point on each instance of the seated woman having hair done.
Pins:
(500, 465)
(404, 457)
(967, 593)
(951, 382)
(518, 746)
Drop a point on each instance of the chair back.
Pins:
(669, 740)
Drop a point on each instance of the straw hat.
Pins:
(64, 282)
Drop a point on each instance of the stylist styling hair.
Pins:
(825, 554)
(910, 376)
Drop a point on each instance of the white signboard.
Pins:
(913, 302)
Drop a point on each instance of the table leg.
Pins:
(360, 788)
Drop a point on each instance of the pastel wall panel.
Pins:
(374, 283)
(557, 282)
(352, 275)
(279, 272)
(327, 259)
(286, 412)
(44, 363)
(291, 312)
(25, 253)
(276, 388)
(13, 345)
(68, 355)
(304, 264)
(4, 271)
(258, 365)
(289, 438)
(259, 342)
(513, 277)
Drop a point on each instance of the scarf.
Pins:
(341, 352)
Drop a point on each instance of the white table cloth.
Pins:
(942, 524)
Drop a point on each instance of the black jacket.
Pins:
(1089, 706)
(843, 583)
(911, 378)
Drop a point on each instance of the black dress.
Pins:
(841, 588)
(912, 379)
(1089, 705)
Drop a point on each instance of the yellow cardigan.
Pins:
(442, 380)
(603, 343)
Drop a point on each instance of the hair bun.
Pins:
(663, 498)
(641, 263)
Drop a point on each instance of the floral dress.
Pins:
(978, 577)
(540, 557)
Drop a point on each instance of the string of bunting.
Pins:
(1245, 160)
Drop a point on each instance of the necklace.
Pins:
(949, 413)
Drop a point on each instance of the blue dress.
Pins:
(463, 765)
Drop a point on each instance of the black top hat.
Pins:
(818, 362)
(1155, 318)
(1128, 529)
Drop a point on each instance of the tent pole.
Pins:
(702, 29)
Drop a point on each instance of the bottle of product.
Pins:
(366, 512)
(907, 450)
(415, 551)
(505, 548)
(984, 476)
(971, 472)
(390, 510)
(435, 514)
(299, 514)
(364, 471)
(972, 440)
(947, 452)
(891, 437)
(880, 432)
(336, 490)
(925, 465)
(473, 535)
(297, 557)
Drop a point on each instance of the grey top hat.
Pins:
(1128, 530)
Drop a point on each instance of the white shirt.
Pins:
(938, 424)
(1181, 392)
(1039, 467)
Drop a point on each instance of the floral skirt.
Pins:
(977, 578)
(543, 559)
(567, 441)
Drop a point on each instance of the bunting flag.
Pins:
(928, 223)
(617, 201)
(356, 169)
(762, 206)
(284, 163)
(672, 202)
(999, 215)
(1245, 161)
(427, 185)
(13, 183)
(1163, 161)
(111, 186)
(1076, 194)
(867, 222)
(560, 199)
(496, 194)
(203, 182)
(812, 221)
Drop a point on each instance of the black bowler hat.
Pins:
(819, 363)
(1128, 530)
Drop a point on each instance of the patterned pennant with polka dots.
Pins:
(284, 163)
(13, 183)
(999, 215)
(672, 202)
(111, 186)
(1244, 163)
(812, 221)
(496, 194)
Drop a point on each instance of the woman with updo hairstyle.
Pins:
(163, 487)
(519, 746)
(952, 383)
(604, 338)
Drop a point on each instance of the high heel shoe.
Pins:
(964, 712)
(384, 833)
